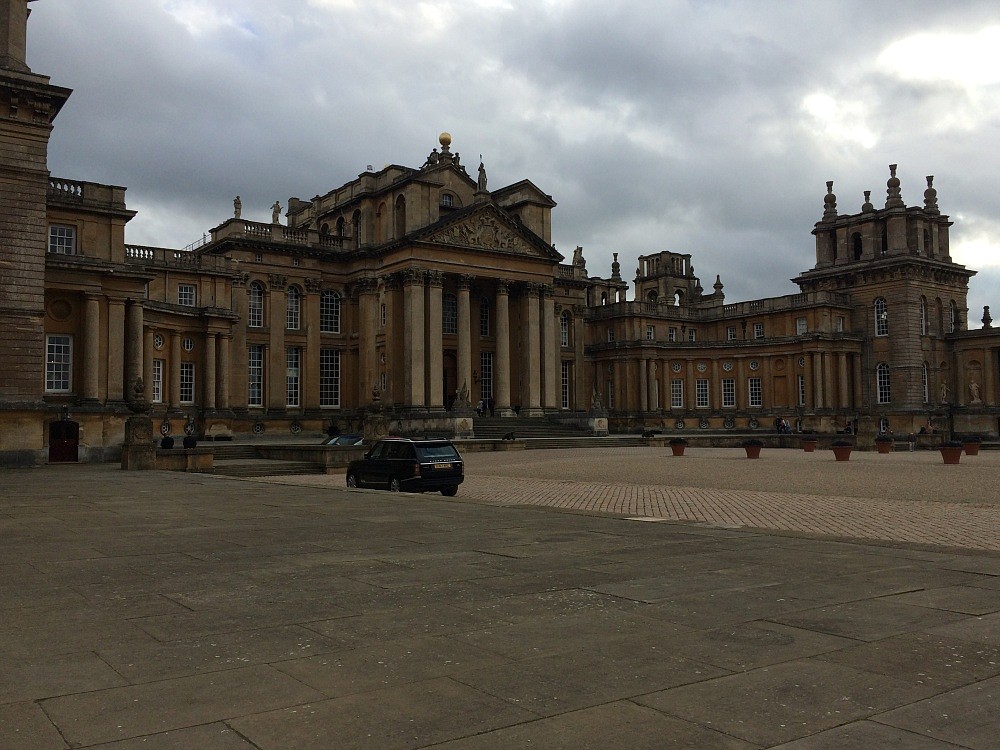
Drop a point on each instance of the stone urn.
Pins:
(970, 444)
(951, 452)
(883, 444)
(842, 450)
(677, 446)
(809, 444)
(752, 447)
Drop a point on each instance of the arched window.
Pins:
(884, 249)
(325, 229)
(400, 216)
(939, 308)
(340, 227)
(564, 328)
(447, 200)
(651, 295)
(881, 318)
(356, 228)
(484, 316)
(449, 314)
(678, 298)
(953, 321)
(381, 223)
(882, 383)
(293, 308)
(925, 383)
(928, 246)
(923, 316)
(604, 298)
(329, 312)
(255, 305)
(856, 245)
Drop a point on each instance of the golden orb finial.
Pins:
(445, 139)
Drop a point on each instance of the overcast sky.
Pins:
(707, 127)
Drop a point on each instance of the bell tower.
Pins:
(28, 106)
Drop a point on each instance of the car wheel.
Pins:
(394, 485)
(352, 480)
(450, 491)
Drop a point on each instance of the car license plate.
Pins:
(442, 466)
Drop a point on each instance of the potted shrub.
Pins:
(752, 447)
(951, 451)
(190, 441)
(970, 443)
(809, 442)
(677, 445)
(167, 442)
(883, 443)
(842, 450)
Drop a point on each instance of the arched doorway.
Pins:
(449, 377)
(64, 441)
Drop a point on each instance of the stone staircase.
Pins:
(244, 461)
(524, 428)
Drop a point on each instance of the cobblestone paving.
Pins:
(900, 497)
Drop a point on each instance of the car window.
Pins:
(398, 450)
(442, 452)
(377, 450)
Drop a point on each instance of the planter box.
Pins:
(809, 446)
(753, 451)
(677, 450)
(971, 449)
(951, 455)
(883, 446)
(842, 452)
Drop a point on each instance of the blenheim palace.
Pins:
(425, 292)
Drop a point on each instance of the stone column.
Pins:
(91, 348)
(844, 392)
(464, 334)
(392, 286)
(584, 389)
(550, 349)
(502, 363)
(310, 357)
(116, 350)
(147, 363)
(413, 333)
(435, 346)
(367, 291)
(224, 344)
(828, 384)
(818, 387)
(989, 361)
(644, 385)
(276, 369)
(134, 342)
(208, 393)
(689, 378)
(174, 390)
(239, 354)
(532, 351)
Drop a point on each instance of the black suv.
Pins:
(409, 465)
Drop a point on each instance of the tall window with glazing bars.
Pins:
(329, 312)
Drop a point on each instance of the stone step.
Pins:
(233, 452)
(263, 468)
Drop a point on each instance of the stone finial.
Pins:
(616, 268)
(987, 320)
(829, 203)
(930, 197)
(867, 206)
(894, 198)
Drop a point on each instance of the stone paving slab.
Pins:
(167, 611)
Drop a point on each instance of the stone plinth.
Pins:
(138, 450)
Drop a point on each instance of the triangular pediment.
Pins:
(488, 228)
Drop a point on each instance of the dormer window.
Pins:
(447, 200)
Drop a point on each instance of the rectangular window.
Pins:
(186, 295)
(801, 326)
(156, 392)
(671, 334)
(62, 239)
(676, 394)
(564, 330)
(255, 375)
(730, 333)
(650, 333)
(728, 393)
(187, 383)
(292, 357)
(486, 375)
(801, 383)
(329, 312)
(758, 330)
(58, 363)
(839, 324)
(611, 334)
(701, 393)
(755, 392)
(611, 394)
(692, 334)
(381, 315)
(565, 383)
(449, 314)
(484, 317)
(329, 378)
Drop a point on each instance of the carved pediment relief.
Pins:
(486, 231)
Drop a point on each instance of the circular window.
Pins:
(753, 424)
(802, 361)
(295, 427)
(729, 423)
(679, 424)
(258, 428)
(187, 345)
(60, 309)
(727, 366)
(165, 427)
(676, 367)
(754, 364)
(702, 367)
(703, 424)
(158, 341)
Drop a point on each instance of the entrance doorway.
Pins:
(449, 376)
(64, 441)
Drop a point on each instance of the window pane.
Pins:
(58, 363)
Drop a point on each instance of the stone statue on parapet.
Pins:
(276, 213)
(237, 207)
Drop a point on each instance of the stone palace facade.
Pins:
(422, 290)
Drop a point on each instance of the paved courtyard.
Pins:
(587, 599)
